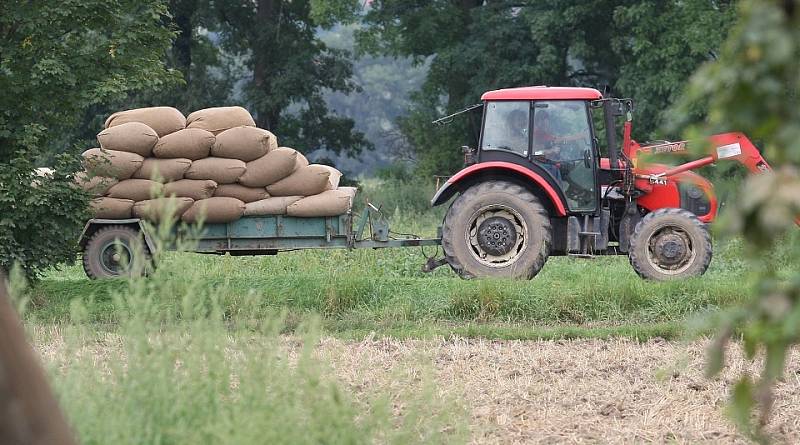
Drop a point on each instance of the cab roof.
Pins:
(543, 93)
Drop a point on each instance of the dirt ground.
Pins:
(583, 391)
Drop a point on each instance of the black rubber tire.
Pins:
(684, 220)
(491, 193)
(130, 237)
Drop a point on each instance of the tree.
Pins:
(290, 68)
(475, 46)
(753, 88)
(57, 60)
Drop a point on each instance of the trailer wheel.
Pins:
(496, 229)
(670, 244)
(116, 251)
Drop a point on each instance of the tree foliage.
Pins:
(638, 48)
(58, 59)
(753, 88)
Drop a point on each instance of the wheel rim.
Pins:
(670, 250)
(496, 235)
(116, 257)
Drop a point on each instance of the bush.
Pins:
(40, 216)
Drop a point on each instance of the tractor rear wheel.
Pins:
(496, 229)
(116, 251)
(670, 244)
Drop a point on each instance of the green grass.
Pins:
(384, 291)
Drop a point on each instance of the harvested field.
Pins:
(579, 391)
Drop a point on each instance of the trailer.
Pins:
(125, 247)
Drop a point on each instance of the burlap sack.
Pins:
(136, 189)
(333, 179)
(111, 163)
(196, 189)
(302, 161)
(327, 203)
(219, 119)
(270, 168)
(242, 193)
(94, 185)
(164, 120)
(219, 170)
(244, 143)
(270, 206)
(111, 208)
(214, 211)
(158, 209)
(163, 170)
(307, 181)
(133, 137)
(190, 143)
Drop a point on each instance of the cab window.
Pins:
(507, 127)
(562, 146)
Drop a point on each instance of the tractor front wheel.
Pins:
(670, 244)
(496, 229)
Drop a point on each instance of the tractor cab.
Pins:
(548, 131)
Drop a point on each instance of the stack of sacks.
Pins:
(215, 166)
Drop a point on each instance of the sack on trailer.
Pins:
(111, 208)
(244, 143)
(214, 210)
(219, 170)
(271, 206)
(219, 119)
(164, 120)
(133, 137)
(196, 189)
(242, 193)
(163, 170)
(271, 167)
(189, 143)
(111, 163)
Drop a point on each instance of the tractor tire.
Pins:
(116, 251)
(670, 244)
(496, 229)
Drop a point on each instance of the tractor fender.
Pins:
(94, 224)
(461, 180)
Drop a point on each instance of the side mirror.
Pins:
(618, 109)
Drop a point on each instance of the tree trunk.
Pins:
(267, 34)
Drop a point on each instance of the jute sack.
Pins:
(163, 170)
(270, 168)
(94, 185)
(156, 210)
(327, 203)
(219, 119)
(244, 143)
(164, 120)
(133, 137)
(242, 193)
(111, 163)
(111, 208)
(333, 179)
(270, 206)
(307, 181)
(190, 143)
(214, 210)
(219, 170)
(301, 162)
(196, 189)
(136, 189)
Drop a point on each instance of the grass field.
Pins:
(242, 349)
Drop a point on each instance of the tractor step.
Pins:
(586, 256)
(589, 233)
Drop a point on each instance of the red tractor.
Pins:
(537, 186)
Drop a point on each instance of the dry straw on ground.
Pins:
(582, 391)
